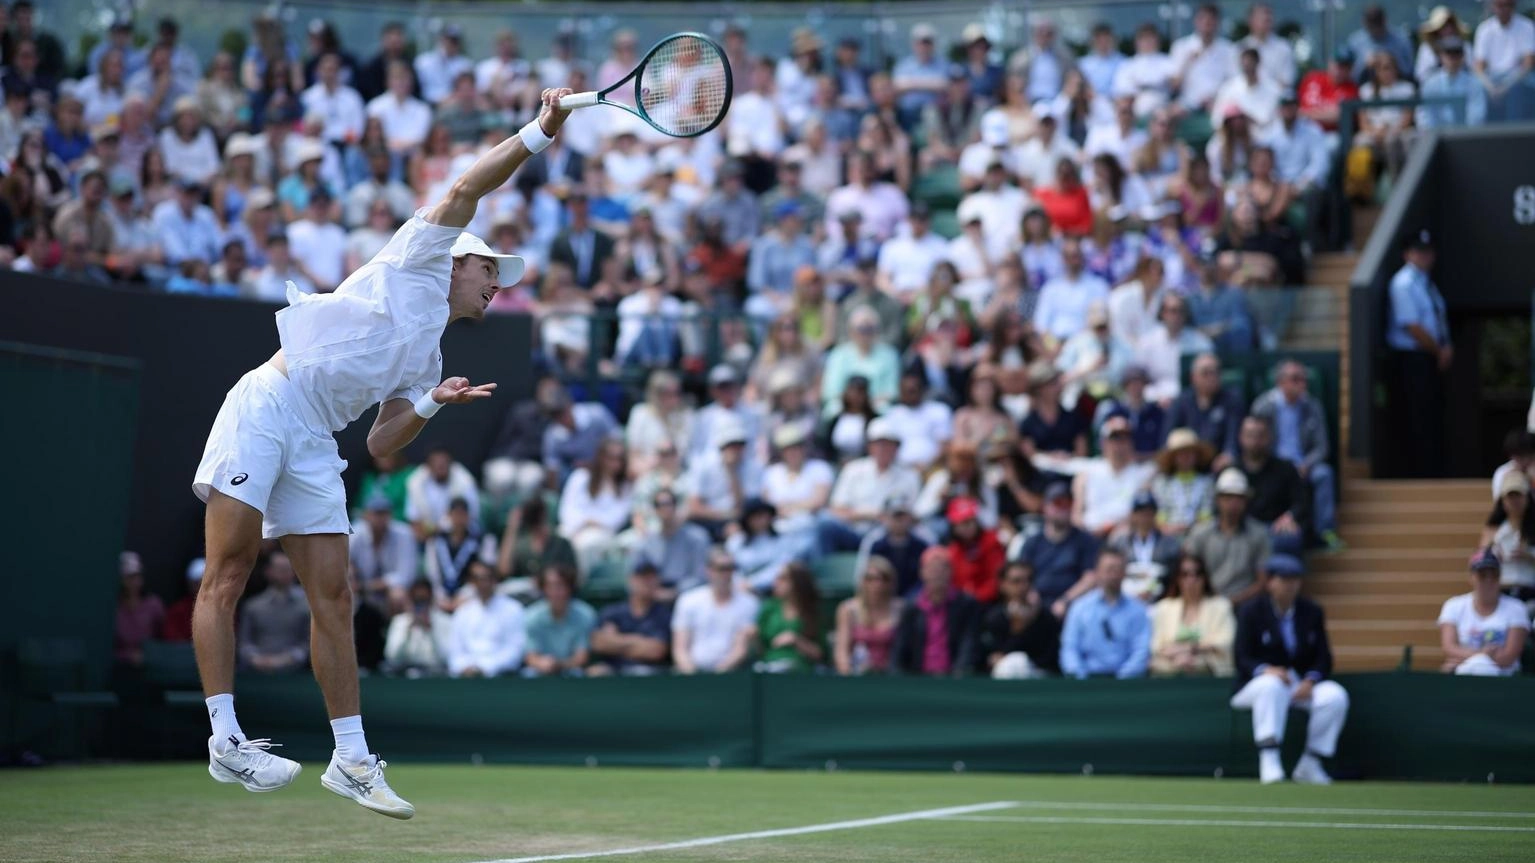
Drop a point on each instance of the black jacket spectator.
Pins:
(1260, 640)
(1040, 640)
(910, 644)
(562, 250)
(1277, 489)
(906, 558)
(1216, 423)
(522, 433)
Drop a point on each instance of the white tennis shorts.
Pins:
(260, 452)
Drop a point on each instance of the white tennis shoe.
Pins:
(365, 783)
(249, 763)
(1270, 769)
(1309, 771)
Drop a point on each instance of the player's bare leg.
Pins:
(321, 563)
(233, 533)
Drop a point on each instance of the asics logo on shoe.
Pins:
(246, 774)
(357, 784)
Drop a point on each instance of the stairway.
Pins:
(1408, 542)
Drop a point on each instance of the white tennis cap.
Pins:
(511, 265)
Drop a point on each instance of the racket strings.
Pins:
(682, 88)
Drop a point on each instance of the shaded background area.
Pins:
(189, 352)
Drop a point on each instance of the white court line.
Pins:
(923, 815)
(1187, 822)
(1265, 810)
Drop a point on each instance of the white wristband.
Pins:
(426, 406)
(533, 137)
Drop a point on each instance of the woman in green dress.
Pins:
(789, 632)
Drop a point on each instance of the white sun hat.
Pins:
(511, 265)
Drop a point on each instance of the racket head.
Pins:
(683, 86)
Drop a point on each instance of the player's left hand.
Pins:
(457, 391)
(1302, 692)
(551, 116)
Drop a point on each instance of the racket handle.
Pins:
(578, 100)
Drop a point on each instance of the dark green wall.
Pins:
(1402, 726)
(191, 350)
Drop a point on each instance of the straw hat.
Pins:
(1440, 16)
(1181, 439)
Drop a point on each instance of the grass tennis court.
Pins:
(173, 812)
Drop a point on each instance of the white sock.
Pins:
(351, 746)
(1268, 759)
(221, 713)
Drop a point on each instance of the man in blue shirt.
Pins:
(1452, 79)
(1418, 336)
(1100, 65)
(1107, 633)
(1375, 36)
(1062, 554)
(634, 637)
(920, 76)
(1300, 438)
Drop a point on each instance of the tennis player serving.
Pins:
(271, 468)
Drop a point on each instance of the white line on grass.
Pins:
(1187, 822)
(923, 815)
(1264, 810)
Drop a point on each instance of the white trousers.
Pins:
(1268, 698)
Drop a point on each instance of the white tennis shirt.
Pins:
(376, 337)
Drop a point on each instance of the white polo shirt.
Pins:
(376, 337)
(924, 430)
(908, 260)
(1205, 68)
(1503, 48)
(343, 111)
(712, 626)
(405, 120)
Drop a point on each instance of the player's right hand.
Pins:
(551, 116)
(457, 391)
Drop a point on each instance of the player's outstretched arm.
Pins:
(399, 421)
(492, 170)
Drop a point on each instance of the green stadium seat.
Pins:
(54, 672)
(938, 187)
(837, 574)
(945, 223)
(606, 582)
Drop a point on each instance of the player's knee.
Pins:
(1330, 694)
(224, 580)
(331, 596)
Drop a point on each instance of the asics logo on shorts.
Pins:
(239, 478)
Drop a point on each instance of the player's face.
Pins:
(474, 283)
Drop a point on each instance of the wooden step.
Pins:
(1384, 633)
(1382, 606)
(1434, 535)
(1409, 558)
(1445, 584)
(1421, 491)
(1411, 512)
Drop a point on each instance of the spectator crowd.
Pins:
(929, 365)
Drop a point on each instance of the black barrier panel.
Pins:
(191, 351)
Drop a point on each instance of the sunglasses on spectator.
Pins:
(866, 329)
(722, 567)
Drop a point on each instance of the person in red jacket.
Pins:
(975, 554)
(1067, 202)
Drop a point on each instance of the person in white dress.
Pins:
(271, 468)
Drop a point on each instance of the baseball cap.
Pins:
(1514, 481)
(1232, 481)
(1283, 566)
(512, 265)
(1143, 499)
(974, 32)
(1057, 491)
(1134, 373)
(1485, 560)
(644, 566)
(1288, 96)
(1114, 425)
(963, 509)
(786, 209)
(379, 503)
(1344, 55)
(924, 31)
(1097, 314)
(196, 568)
(120, 185)
(898, 503)
(881, 429)
(1421, 239)
(260, 198)
(723, 374)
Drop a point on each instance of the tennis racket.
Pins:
(682, 88)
